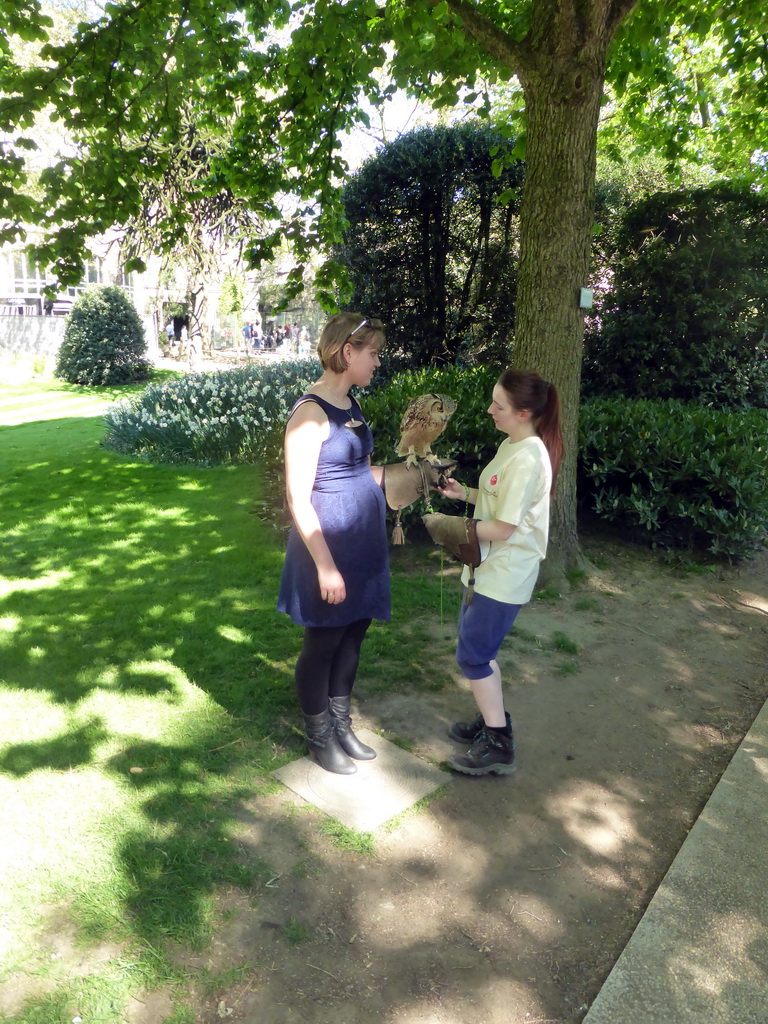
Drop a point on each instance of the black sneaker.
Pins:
(492, 753)
(467, 732)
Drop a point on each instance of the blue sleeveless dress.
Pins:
(352, 512)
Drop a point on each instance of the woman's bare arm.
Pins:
(304, 436)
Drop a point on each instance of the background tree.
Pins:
(232, 306)
(216, 224)
(277, 73)
(690, 86)
(431, 247)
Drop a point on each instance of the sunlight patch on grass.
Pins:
(172, 513)
(49, 821)
(46, 406)
(237, 636)
(143, 703)
(38, 401)
(154, 701)
(14, 414)
(48, 579)
(94, 837)
(29, 716)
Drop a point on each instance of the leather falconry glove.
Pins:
(458, 535)
(404, 484)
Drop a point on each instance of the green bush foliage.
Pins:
(677, 475)
(104, 340)
(668, 473)
(686, 314)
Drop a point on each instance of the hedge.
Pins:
(678, 474)
(669, 473)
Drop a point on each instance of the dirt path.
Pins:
(507, 900)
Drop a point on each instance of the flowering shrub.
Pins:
(211, 418)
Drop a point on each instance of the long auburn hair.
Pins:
(528, 390)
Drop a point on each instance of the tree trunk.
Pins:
(563, 93)
(561, 67)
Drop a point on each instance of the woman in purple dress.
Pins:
(336, 574)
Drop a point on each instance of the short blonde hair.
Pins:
(354, 328)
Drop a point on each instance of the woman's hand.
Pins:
(332, 586)
(453, 489)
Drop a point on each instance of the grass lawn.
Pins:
(145, 689)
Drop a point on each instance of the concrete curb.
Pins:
(700, 952)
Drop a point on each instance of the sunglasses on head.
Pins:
(376, 325)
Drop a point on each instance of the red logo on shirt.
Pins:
(494, 480)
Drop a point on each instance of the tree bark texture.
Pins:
(562, 79)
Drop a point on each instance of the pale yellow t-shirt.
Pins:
(514, 487)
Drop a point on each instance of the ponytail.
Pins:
(551, 433)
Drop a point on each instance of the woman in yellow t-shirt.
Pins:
(512, 512)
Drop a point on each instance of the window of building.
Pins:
(93, 275)
(28, 279)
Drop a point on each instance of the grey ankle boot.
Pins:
(324, 746)
(350, 744)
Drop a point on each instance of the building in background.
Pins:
(167, 293)
(22, 284)
(32, 324)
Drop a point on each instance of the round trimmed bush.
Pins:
(104, 340)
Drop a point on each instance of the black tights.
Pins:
(328, 662)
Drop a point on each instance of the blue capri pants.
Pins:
(483, 624)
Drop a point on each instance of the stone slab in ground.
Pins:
(379, 790)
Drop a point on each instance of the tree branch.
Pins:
(618, 11)
(493, 40)
(519, 57)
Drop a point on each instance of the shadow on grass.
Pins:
(138, 627)
(70, 750)
(111, 565)
(138, 630)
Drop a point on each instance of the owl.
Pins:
(424, 420)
